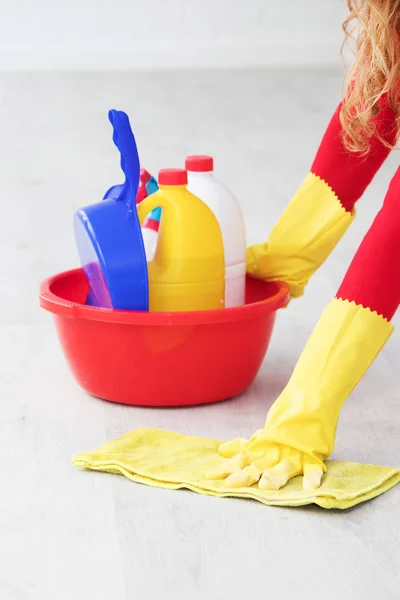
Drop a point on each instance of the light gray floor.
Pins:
(71, 535)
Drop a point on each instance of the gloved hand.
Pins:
(269, 464)
(322, 209)
(300, 429)
(303, 238)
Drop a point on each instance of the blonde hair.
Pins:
(374, 27)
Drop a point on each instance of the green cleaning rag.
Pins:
(174, 461)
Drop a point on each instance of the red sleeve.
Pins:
(373, 280)
(349, 174)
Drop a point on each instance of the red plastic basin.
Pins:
(162, 359)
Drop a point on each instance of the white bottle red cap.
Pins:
(172, 177)
(199, 164)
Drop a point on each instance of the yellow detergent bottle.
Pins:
(187, 272)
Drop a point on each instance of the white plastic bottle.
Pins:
(150, 237)
(202, 183)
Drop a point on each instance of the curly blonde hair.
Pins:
(374, 27)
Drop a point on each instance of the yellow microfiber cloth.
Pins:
(174, 461)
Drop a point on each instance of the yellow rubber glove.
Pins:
(303, 238)
(300, 429)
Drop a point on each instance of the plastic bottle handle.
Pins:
(149, 204)
(124, 140)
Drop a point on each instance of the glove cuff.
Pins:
(305, 235)
(340, 350)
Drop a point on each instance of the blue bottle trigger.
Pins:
(151, 187)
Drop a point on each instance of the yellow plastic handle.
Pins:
(150, 203)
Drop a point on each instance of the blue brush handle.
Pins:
(124, 140)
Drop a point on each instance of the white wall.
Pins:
(168, 33)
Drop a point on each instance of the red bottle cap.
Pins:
(199, 164)
(144, 176)
(172, 177)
